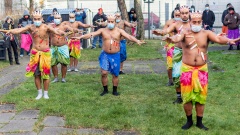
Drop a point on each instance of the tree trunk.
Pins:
(124, 14)
(140, 26)
(31, 6)
(8, 7)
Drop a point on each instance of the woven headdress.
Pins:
(37, 13)
(71, 13)
(111, 16)
(184, 8)
(197, 14)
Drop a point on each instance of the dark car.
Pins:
(154, 21)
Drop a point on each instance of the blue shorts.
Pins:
(110, 62)
(123, 50)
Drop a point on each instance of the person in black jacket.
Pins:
(208, 18)
(98, 20)
(133, 18)
(225, 12)
(10, 41)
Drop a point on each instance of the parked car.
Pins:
(154, 20)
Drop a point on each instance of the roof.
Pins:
(61, 11)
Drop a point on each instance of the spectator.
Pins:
(133, 18)
(50, 18)
(192, 9)
(26, 39)
(11, 41)
(80, 14)
(232, 20)
(98, 20)
(208, 18)
(225, 12)
(176, 8)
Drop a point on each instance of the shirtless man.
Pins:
(59, 48)
(74, 45)
(109, 59)
(40, 59)
(177, 53)
(121, 24)
(170, 46)
(194, 70)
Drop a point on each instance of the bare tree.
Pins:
(8, 7)
(140, 26)
(123, 9)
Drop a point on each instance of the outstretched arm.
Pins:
(55, 31)
(89, 35)
(85, 25)
(130, 37)
(131, 25)
(221, 39)
(174, 39)
(74, 30)
(166, 30)
(17, 31)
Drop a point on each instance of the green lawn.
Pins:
(3, 64)
(145, 104)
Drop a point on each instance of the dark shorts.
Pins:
(123, 50)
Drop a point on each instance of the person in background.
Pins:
(98, 20)
(176, 8)
(80, 14)
(10, 41)
(26, 39)
(232, 20)
(133, 18)
(208, 18)
(50, 18)
(225, 12)
(192, 9)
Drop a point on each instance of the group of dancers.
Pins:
(187, 45)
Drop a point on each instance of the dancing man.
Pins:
(40, 58)
(194, 69)
(109, 59)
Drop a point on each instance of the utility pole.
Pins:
(148, 1)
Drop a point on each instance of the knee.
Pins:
(104, 73)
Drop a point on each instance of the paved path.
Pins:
(12, 123)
